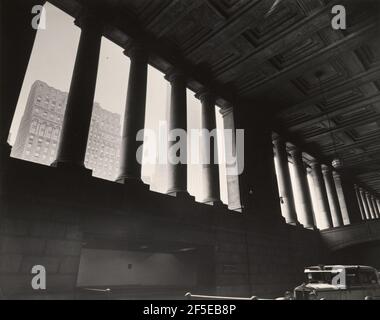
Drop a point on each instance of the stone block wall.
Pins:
(48, 216)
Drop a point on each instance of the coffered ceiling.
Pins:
(322, 84)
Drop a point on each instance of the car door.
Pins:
(354, 290)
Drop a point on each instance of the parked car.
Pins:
(339, 282)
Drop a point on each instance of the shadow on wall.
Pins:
(363, 254)
(108, 268)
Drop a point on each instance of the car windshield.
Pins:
(319, 277)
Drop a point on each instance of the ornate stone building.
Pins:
(38, 136)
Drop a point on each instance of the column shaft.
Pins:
(209, 156)
(177, 119)
(332, 197)
(134, 117)
(370, 205)
(231, 159)
(305, 212)
(321, 196)
(374, 205)
(258, 186)
(341, 198)
(77, 119)
(365, 204)
(284, 181)
(360, 202)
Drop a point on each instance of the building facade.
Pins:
(39, 132)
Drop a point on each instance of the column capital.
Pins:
(336, 174)
(135, 50)
(326, 169)
(276, 138)
(314, 164)
(174, 74)
(294, 150)
(89, 19)
(226, 111)
(206, 96)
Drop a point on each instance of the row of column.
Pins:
(328, 190)
(369, 205)
(76, 124)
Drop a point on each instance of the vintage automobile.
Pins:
(338, 282)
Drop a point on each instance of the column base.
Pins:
(313, 228)
(296, 224)
(72, 167)
(216, 204)
(5, 150)
(125, 178)
(181, 195)
(135, 184)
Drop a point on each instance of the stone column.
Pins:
(305, 213)
(209, 156)
(360, 202)
(284, 181)
(374, 204)
(231, 159)
(378, 206)
(370, 205)
(341, 198)
(321, 195)
(365, 204)
(177, 119)
(134, 117)
(332, 197)
(77, 119)
(258, 185)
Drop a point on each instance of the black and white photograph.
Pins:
(214, 152)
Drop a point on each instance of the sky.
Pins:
(52, 61)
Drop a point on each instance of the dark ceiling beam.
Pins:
(366, 167)
(249, 16)
(184, 8)
(356, 81)
(283, 41)
(340, 128)
(338, 110)
(348, 43)
(370, 153)
(165, 57)
(370, 140)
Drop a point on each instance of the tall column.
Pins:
(370, 205)
(15, 55)
(365, 204)
(374, 205)
(301, 186)
(284, 181)
(258, 185)
(209, 156)
(360, 202)
(77, 119)
(177, 119)
(231, 159)
(134, 117)
(378, 206)
(341, 198)
(321, 195)
(332, 197)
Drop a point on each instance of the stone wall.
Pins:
(48, 215)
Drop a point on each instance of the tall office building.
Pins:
(38, 135)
